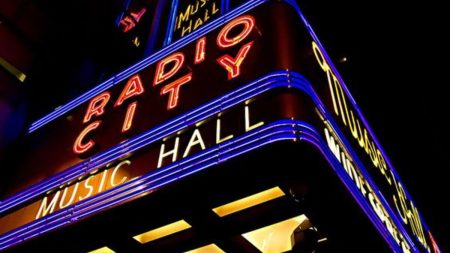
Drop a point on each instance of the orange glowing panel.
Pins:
(102, 250)
(79, 147)
(200, 48)
(232, 65)
(223, 40)
(211, 248)
(133, 87)
(162, 74)
(275, 238)
(174, 90)
(161, 232)
(248, 202)
(129, 117)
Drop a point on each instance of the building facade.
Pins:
(233, 132)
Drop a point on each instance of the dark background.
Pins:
(396, 70)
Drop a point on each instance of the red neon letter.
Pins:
(129, 22)
(78, 146)
(132, 88)
(137, 16)
(434, 244)
(161, 74)
(200, 53)
(232, 65)
(97, 106)
(129, 117)
(222, 39)
(174, 90)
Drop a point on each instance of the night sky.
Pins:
(397, 74)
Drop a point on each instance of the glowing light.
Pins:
(97, 106)
(173, 152)
(280, 130)
(133, 87)
(219, 139)
(45, 208)
(129, 117)
(434, 244)
(161, 232)
(174, 90)
(136, 41)
(200, 48)
(248, 202)
(113, 175)
(232, 65)
(13, 70)
(177, 59)
(138, 15)
(249, 127)
(275, 238)
(196, 139)
(102, 250)
(211, 248)
(129, 22)
(247, 21)
(78, 146)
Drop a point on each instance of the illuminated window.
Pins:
(102, 250)
(275, 238)
(163, 231)
(249, 201)
(212, 248)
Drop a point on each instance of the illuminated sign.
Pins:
(209, 97)
(346, 160)
(172, 85)
(168, 149)
(192, 14)
(130, 20)
(354, 126)
(138, 26)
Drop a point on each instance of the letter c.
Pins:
(113, 175)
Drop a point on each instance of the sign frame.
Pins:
(278, 131)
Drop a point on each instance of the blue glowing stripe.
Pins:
(268, 134)
(364, 121)
(276, 131)
(351, 187)
(192, 164)
(72, 104)
(183, 120)
(203, 30)
(171, 24)
(261, 85)
(360, 199)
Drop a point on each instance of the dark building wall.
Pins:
(64, 48)
(22, 26)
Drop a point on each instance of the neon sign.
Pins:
(193, 14)
(364, 187)
(83, 189)
(349, 117)
(166, 76)
(129, 21)
(168, 149)
(167, 108)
